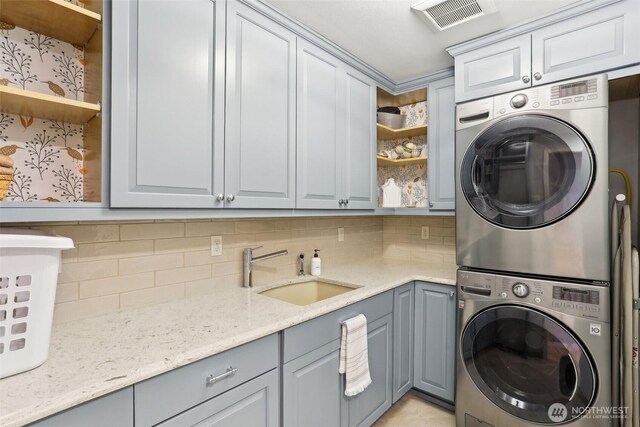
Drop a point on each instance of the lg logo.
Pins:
(557, 412)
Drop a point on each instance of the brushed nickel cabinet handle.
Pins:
(230, 197)
(220, 197)
(231, 371)
(526, 79)
(537, 76)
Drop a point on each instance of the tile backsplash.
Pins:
(130, 264)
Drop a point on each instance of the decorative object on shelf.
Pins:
(416, 152)
(390, 117)
(391, 194)
(383, 154)
(6, 174)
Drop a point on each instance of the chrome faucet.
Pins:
(248, 259)
(301, 261)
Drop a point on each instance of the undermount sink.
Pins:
(305, 293)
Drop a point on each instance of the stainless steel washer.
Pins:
(531, 352)
(531, 192)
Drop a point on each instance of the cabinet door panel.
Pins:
(435, 337)
(167, 103)
(313, 391)
(493, 69)
(360, 142)
(601, 40)
(260, 132)
(441, 170)
(403, 323)
(320, 128)
(368, 406)
(255, 403)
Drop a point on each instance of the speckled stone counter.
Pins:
(96, 356)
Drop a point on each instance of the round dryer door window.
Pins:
(527, 171)
(524, 362)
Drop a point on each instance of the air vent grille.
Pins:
(452, 12)
(443, 14)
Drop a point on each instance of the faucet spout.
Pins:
(247, 263)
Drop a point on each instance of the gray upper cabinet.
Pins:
(604, 39)
(261, 107)
(359, 173)
(441, 170)
(320, 128)
(434, 341)
(167, 110)
(336, 133)
(403, 325)
(501, 67)
(596, 41)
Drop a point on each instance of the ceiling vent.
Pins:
(443, 14)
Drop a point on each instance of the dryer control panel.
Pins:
(577, 299)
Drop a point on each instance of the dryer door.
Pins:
(527, 171)
(524, 362)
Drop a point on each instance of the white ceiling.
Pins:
(392, 38)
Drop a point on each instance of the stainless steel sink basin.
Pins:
(305, 293)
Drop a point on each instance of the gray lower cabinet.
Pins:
(403, 326)
(312, 388)
(336, 133)
(255, 403)
(260, 140)
(115, 409)
(167, 103)
(435, 340)
(442, 132)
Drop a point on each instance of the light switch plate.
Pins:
(340, 234)
(425, 233)
(216, 245)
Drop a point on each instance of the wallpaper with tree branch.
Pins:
(47, 154)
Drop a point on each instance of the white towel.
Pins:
(354, 355)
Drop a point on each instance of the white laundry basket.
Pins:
(29, 261)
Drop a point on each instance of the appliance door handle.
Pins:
(568, 376)
(475, 117)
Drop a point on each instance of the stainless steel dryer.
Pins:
(532, 352)
(531, 191)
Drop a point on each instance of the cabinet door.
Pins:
(115, 409)
(435, 337)
(403, 322)
(442, 117)
(375, 400)
(255, 403)
(501, 67)
(313, 390)
(260, 130)
(167, 105)
(597, 41)
(359, 149)
(321, 113)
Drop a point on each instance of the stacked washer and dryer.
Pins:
(532, 246)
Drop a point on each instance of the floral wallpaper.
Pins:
(412, 179)
(47, 154)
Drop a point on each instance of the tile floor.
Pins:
(412, 411)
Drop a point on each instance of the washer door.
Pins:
(524, 362)
(527, 171)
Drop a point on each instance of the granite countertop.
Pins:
(96, 356)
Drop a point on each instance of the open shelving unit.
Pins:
(46, 17)
(386, 162)
(81, 27)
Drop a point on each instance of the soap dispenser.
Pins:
(316, 263)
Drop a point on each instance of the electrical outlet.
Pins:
(216, 245)
(340, 234)
(425, 233)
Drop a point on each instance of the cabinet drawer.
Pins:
(255, 403)
(166, 395)
(307, 336)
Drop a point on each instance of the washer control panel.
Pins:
(583, 300)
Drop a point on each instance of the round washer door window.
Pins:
(527, 171)
(524, 361)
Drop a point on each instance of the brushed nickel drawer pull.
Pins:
(231, 371)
